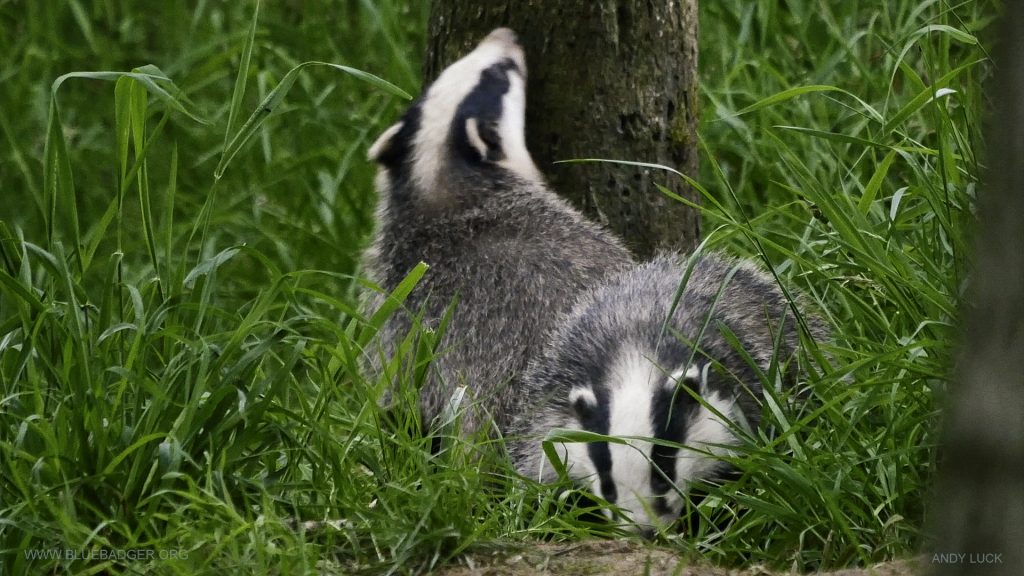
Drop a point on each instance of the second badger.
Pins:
(459, 191)
(626, 364)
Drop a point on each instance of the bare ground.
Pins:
(625, 558)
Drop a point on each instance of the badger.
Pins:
(632, 361)
(459, 191)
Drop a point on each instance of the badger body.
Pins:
(459, 191)
(625, 363)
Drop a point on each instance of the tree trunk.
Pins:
(611, 79)
(980, 510)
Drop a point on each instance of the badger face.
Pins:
(636, 400)
(471, 117)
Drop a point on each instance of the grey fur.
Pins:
(475, 208)
(626, 314)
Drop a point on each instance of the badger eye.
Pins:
(693, 376)
(659, 484)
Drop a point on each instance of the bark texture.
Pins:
(980, 510)
(613, 79)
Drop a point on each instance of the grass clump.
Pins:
(852, 166)
(180, 365)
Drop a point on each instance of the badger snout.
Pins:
(644, 515)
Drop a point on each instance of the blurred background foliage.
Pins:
(301, 191)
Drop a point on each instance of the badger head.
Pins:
(637, 401)
(471, 117)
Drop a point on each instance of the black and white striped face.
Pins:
(647, 481)
(473, 114)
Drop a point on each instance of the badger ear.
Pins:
(383, 150)
(582, 401)
(485, 139)
(693, 377)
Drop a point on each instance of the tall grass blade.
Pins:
(277, 95)
(59, 186)
(243, 75)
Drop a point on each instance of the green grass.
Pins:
(179, 354)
